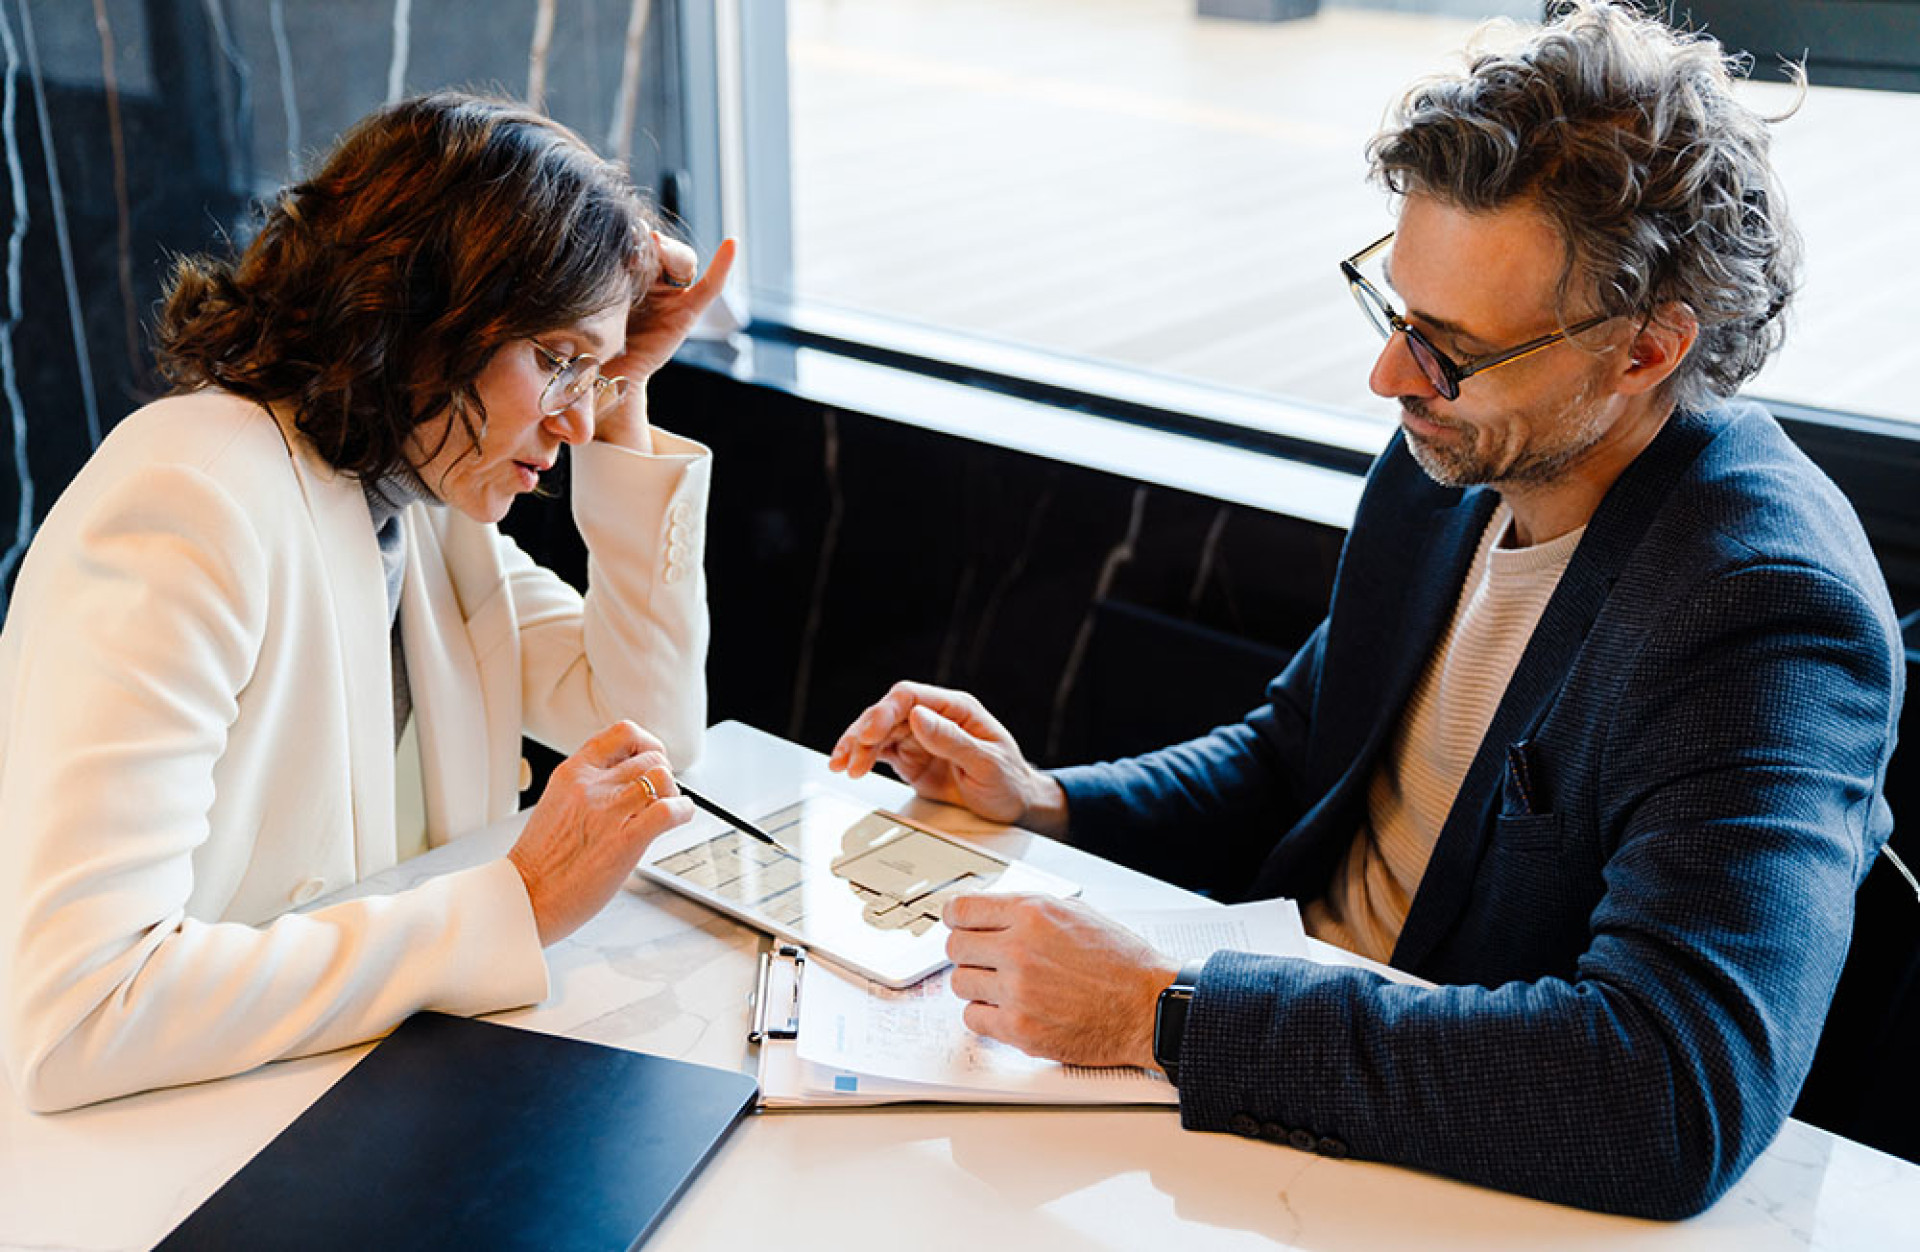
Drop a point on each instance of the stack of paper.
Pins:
(863, 1043)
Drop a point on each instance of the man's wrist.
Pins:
(1046, 805)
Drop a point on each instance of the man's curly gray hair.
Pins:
(1627, 135)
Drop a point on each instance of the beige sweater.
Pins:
(1505, 591)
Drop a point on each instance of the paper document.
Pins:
(864, 1041)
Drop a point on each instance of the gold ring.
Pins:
(653, 792)
(678, 284)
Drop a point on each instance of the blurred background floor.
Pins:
(1126, 181)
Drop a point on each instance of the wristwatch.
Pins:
(1170, 1019)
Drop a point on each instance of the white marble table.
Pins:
(660, 974)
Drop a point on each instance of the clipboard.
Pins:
(861, 886)
(786, 1024)
(787, 1080)
(828, 1037)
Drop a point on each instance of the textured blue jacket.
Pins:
(1640, 902)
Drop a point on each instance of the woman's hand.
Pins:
(657, 324)
(664, 314)
(602, 808)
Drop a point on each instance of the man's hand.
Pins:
(592, 823)
(949, 748)
(1055, 979)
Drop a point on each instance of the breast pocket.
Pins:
(1534, 890)
(1525, 823)
(1527, 832)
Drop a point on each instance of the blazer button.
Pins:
(526, 774)
(1302, 1139)
(1331, 1148)
(309, 890)
(1273, 1131)
(1241, 1124)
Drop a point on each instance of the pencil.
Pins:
(740, 824)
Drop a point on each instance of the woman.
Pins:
(273, 609)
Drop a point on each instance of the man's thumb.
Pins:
(939, 735)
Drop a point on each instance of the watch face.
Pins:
(1170, 1026)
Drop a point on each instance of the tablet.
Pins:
(857, 885)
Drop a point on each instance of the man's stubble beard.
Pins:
(1572, 433)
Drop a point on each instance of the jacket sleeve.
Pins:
(138, 631)
(1741, 777)
(1206, 811)
(636, 646)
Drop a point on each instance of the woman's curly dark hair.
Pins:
(1627, 135)
(439, 228)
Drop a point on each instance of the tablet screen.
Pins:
(859, 885)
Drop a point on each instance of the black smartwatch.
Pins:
(1170, 1019)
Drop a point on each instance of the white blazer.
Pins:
(198, 737)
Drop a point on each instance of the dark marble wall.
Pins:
(1095, 615)
(135, 129)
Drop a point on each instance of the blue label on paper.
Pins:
(846, 1082)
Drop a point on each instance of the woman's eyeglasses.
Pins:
(1441, 370)
(574, 378)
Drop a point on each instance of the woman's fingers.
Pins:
(679, 263)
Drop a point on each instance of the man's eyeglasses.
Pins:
(575, 377)
(1441, 370)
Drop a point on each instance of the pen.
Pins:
(738, 823)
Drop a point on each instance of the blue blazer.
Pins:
(1640, 902)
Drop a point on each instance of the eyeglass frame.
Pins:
(560, 365)
(1453, 373)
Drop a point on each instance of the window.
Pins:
(1124, 184)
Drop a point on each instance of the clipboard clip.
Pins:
(760, 1030)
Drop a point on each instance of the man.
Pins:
(1594, 733)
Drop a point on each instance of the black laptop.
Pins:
(454, 1133)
